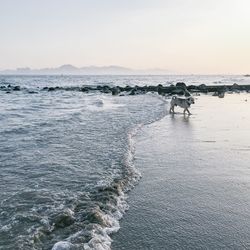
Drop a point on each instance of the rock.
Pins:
(161, 90)
(17, 88)
(115, 90)
(235, 87)
(84, 89)
(152, 88)
(203, 88)
(105, 89)
(51, 89)
(221, 94)
(181, 85)
(178, 91)
(127, 88)
(192, 88)
(132, 92)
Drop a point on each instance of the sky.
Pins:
(182, 36)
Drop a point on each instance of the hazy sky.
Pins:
(184, 36)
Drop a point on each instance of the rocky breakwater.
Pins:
(180, 88)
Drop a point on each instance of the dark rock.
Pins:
(161, 90)
(133, 92)
(105, 89)
(178, 91)
(115, 90)
(84, 89)
(181, 85)
(51, 89)
(203, 88)
(152, 88)
(221, 94)
(128, 88)
(17, 88)
(192, 88)
(45, 88)
(235, 87)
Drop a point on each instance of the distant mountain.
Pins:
(69, 69)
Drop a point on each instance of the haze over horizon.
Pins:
(183, 36)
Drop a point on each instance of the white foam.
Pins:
(62, 245)
(100, 235)
(102, 103)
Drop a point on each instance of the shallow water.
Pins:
(194, 191)
(66, 161)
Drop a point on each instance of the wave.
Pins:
(103, 219)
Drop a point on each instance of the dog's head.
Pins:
(190, 100)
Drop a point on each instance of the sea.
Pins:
(67, 157)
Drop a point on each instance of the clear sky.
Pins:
(184, 36)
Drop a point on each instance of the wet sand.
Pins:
(195, 186)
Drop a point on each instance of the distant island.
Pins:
(69, 69)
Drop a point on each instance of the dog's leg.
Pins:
(171, 109)
(188, 111)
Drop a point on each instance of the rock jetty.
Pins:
(180, 88)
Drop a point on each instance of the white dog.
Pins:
(184, 103)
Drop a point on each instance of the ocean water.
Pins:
(67, 158)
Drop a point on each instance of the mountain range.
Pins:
(69, 69)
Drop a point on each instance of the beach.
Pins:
(194, 191)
